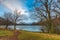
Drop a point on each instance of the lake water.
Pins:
(35, 28)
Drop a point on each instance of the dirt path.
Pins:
(14, 37)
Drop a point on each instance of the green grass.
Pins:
(37, 36)
(25, 35)
(6, 33)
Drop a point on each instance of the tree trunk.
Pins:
(50, 25)
(6, 27)
(15, 27)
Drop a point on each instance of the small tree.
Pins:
(7, 17)
(12, 17)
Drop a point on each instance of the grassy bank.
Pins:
(24, 35)
(38, 36)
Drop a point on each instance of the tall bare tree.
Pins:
(15, 18)
(47, 11)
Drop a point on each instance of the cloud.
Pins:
(14, 4)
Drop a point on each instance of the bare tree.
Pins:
(15, 18)
(7, 17)
(12, 17)
(47, 11)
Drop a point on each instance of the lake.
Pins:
(34, 28)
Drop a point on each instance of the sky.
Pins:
(11, 5)
(21, 5)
